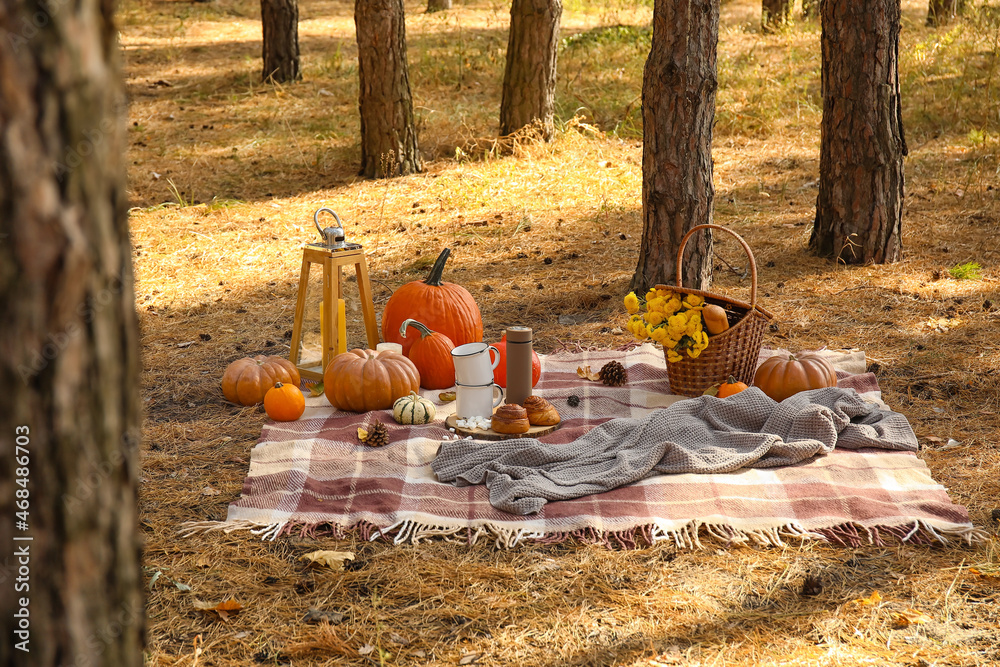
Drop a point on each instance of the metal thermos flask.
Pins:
(518, 364)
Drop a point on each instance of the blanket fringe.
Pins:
(689, 536)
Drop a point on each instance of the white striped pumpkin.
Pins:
(413, 409)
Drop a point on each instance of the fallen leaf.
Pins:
(941, 324)
(587, 374)
(182, 587)
(362, 434)
(152, 581)
(316, 389)
(221, 609)
(470, 658)
(711, 391)
(933, 438)
(990, 577)
(209, 491)
(332, 559)
(366, 649)
(908, 617)
(184, 345)
(447, 396)
(203, 561)
(872, 599)
(226, 605)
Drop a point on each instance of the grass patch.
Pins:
(967, 271)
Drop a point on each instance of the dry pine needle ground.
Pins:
(225, 174)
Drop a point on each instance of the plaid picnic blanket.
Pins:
(312, 477)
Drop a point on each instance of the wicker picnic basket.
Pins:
(735, 351)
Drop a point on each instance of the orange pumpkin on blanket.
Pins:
(731, 387)
(364, 380)
(284, 403)
(782, 376)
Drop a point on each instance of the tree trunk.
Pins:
(388, 133)
(280, 20)
(942, 12)
(860, 203)
(70, 586)
(774, 14)
(678, 109)
(529, 80)
(438, 5)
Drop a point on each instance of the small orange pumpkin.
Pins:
(362, 380)
(431, 354)
(284, 403)
(733, 386)
(246, 381)
(780, 377)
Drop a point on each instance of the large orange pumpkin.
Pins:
(781, 376)
(362, 380)
(431, 354)
(446, 308)
(247, 380)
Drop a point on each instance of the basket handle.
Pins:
(746, 249)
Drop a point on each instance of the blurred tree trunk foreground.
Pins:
(280, 22)
(438, 5)
(70, 418)
(678, 109)
(388, 131)
(860, 202)
(529, 80)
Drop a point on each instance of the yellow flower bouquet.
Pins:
(671, 319)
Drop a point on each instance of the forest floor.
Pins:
(225, 174)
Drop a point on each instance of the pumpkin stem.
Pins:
(434, 277)
(424, 331)
(732, 380)
(278, 385)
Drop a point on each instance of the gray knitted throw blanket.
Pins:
(698, 435)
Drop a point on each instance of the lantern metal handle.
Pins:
(333, 236)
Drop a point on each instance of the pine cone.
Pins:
(378, 435)
(613, 374)
(573, 400)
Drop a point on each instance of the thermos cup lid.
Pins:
(518, 334)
